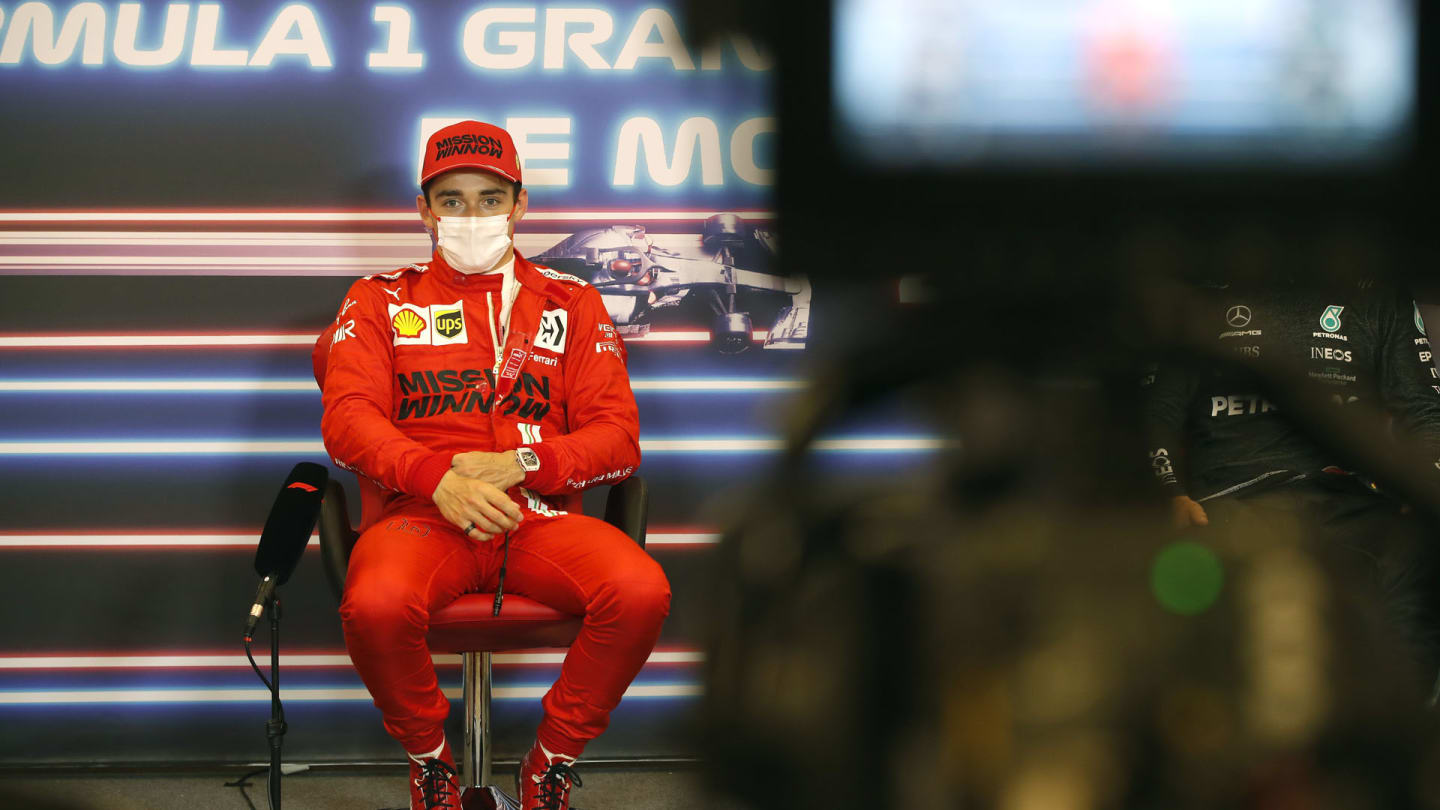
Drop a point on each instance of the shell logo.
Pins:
(408, 324)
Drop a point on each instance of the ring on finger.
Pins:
(472, 527)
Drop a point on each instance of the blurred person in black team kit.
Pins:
(1225, 455)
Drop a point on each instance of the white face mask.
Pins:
(473, 244)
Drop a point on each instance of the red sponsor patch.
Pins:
(302, 485)
(607, 346)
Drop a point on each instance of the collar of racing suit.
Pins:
(526, 276)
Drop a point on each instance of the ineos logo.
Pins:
(1238, 316)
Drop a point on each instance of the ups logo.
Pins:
(450, 322)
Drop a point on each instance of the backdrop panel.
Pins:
(191, 187)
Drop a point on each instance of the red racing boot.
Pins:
(432, 782)
(544, 780)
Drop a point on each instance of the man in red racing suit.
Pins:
(476, 396)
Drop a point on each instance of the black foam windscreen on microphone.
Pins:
(291, 522)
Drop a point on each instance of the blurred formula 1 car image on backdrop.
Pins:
(725, 285)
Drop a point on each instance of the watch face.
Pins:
(528, 459)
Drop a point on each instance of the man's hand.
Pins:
(500, 470)
(468, 502)
(1185, 512)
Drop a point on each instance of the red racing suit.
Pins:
(410, 377)
(415, 380)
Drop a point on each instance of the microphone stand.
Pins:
(275, 729)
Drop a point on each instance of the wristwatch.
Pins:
(528, 459)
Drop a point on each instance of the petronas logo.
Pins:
(1330, 321)
(1419, 323)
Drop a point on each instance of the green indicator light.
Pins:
(1186, 578)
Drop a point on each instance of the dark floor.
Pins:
(631, 788)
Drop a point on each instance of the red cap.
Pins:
(470, 145)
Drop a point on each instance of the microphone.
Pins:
(287, 531)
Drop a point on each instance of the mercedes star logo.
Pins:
(1238, 316)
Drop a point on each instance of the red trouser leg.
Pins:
(587, 567)
(573, 563)
(399, 572)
